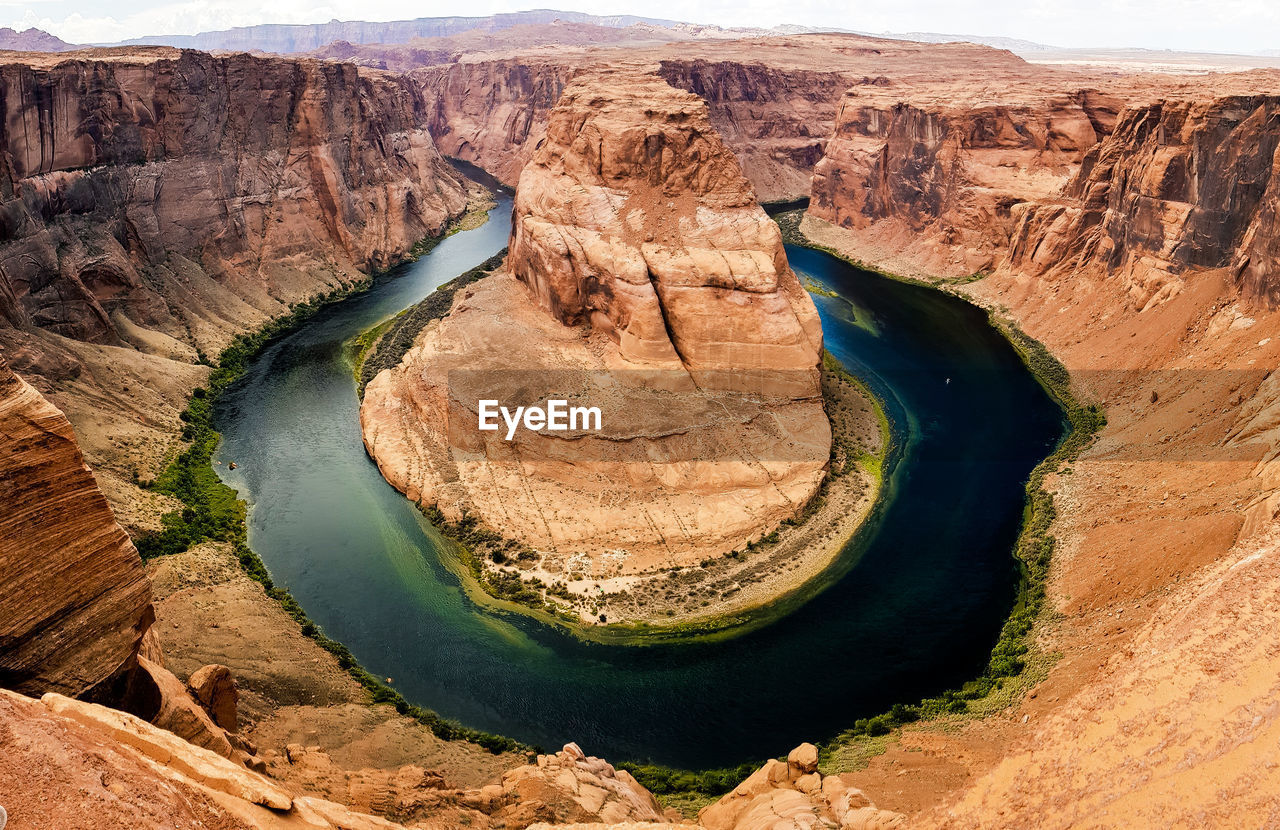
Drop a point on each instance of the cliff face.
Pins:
(78, 598)
(633, 216)
(943, 178)
(128, 179)
(644, 279)
(776, 119)
(1178, 185)
(493, 113)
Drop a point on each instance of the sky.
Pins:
(1193, 25)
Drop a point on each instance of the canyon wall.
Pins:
(776, 119)
(1178, 185)
(131, 180)
(1145, 263)
(941, 176)
(493, 113)
(77, 599)
(155, 203)
(773, 100)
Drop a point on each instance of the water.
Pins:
(920, 601)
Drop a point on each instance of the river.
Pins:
(913, 608)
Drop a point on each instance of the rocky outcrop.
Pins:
(944, 177)
(77, 765)
(793, 795)
(633, 217)
(79, 601)
(644, 279)
(1178, 185)
(159, 190)
(570, 787)
(215, 689)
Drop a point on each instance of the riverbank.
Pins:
(210, 527)
(1017, 662)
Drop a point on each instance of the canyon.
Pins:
(159, 202)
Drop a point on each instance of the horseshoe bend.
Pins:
(643, 279)
(562, 420)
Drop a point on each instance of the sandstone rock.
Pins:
(493, 113)
(85, 602)
(158, 696)
(650, 284)
(167, 749)
(233, 176)
(571, 787)
(1178, 185)
(76, 765)
(803, 758)
(941, 173)
(215, 689)
(782, 796)
(635, 218)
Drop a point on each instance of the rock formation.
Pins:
(634, 218)
(77, 765)
(643, 278)
(793, 794)
(1177, 185)
(941, 176)
(78, 601)
(155, 189)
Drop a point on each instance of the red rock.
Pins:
(78, 598)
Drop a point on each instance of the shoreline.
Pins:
(1016, 662)
(214, 512)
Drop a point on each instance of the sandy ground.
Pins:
(292, 691)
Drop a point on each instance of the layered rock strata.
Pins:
(78, 600)
(1177, 186)
(943, 178)
(155, 203)
(153, 189)
(643, 279)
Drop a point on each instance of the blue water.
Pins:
(924, 589)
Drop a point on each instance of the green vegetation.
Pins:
(665, 781)
(384, 345)
(212, 512)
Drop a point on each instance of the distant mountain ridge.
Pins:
(286, 37)
(32, 40)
